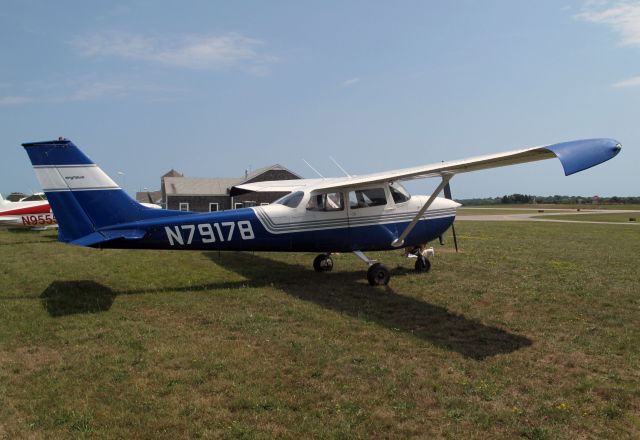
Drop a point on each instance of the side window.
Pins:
(291, 200)
(365, 198)
(326, 202)
(399, 194)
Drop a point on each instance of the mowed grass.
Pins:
(619, 217)
(531, 332)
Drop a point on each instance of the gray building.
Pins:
(204, 194)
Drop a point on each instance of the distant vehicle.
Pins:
(30, 212)
(345, 214)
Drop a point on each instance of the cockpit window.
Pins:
(364, 198)
(326, 202)
(399, 194)
(291, 200)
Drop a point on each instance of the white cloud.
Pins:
(621, 16)
(350, 82)
(84, 89)
(95, 90)
(15, 100)
(630, 82)
(194, 51)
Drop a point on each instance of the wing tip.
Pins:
(579, 155)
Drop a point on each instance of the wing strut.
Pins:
(400, 240)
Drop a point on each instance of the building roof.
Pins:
(172, 173)
(176, 184)
(143, 196)
(255, 173)
(195, 186)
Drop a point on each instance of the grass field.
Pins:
(618, 217)
(531, 332)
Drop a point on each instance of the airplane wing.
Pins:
(574, 155)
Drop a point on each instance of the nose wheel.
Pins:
(422, 264)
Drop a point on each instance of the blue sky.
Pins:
(214, 88)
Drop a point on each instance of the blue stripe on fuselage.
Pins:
(230, 231)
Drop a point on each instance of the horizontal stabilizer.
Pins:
(104, 236)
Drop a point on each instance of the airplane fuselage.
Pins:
(276, 227)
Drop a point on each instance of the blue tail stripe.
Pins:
(62, 152)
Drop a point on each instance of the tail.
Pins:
(83, 198)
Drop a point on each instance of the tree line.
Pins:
(521, 199)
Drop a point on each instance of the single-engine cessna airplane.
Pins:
(34, 214)
(346, 214)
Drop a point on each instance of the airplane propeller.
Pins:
(447, 195)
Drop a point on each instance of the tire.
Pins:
(323, 263)
(378, 275)
(422, 264)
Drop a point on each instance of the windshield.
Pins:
(291, 200)
(399, 194)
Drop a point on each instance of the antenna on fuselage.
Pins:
(338, 165)
(314, 170)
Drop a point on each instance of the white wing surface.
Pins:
(574, 155)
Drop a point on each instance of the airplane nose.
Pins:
(452, 204)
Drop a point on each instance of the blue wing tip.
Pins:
(580, 155)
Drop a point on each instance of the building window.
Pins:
(184, 206)
(213, 207)
(237, 205)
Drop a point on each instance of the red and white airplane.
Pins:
(27, 213)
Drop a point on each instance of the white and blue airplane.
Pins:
(356, 214)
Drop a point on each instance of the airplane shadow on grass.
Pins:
(344, 292)
(62, 298)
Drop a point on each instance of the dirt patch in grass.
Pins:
(30, 358)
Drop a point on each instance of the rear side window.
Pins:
(365, 198)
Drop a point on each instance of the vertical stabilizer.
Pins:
(82, 197)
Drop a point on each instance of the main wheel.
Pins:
(323, 263)
(422, 264)
(378, 275)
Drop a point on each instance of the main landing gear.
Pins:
(323, 263)
(378, 274)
